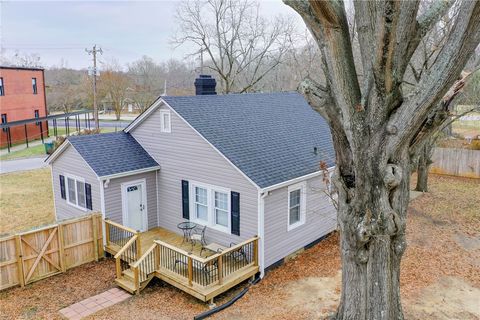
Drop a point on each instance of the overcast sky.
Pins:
(125, 30)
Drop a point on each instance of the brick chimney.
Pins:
(205, 84)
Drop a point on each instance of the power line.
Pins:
(94, 52)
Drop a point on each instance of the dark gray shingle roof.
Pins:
(269, 136)
(112, 153)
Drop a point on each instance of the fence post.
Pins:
(255, 251)
(118, 267)
(190, 271)
(107, 232)
(220, 270)
(157, 257)
(139, 249)
(18, 245)
(95, 235)
(136, 280)
(61, 247)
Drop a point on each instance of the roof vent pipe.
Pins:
(205, 84)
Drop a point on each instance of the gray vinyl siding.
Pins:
(70, 162)
(185, 155)
(321, 219)
(113, 197)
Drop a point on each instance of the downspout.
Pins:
(261, 230)
(102, 208)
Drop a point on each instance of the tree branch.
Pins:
(460, 44)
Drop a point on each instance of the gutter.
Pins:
(295, 180)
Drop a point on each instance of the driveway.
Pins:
(22, 164)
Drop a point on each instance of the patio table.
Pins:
(187, 228)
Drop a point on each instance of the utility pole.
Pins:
(94, 52)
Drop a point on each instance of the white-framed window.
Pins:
(76, 192)
(210, 206)
(296, 205)
(165, 121)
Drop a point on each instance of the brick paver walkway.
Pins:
(93, 304)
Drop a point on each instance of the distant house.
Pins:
(244, 165)
(22, 96)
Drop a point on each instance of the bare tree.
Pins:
(241, 46)
(148, 79)
(373, 124)
(113, 84)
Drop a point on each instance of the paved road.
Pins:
(103, 124)
(22, 164)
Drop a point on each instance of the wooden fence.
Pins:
(34, 255)
(456, 162)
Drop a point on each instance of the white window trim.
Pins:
(210, 206)
(302, 186)
(75, 178)
(162, 121)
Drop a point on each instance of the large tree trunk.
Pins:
(371, 216)
(424, 162)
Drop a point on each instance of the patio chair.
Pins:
(238, 254)
(198, 236)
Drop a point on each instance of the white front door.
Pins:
(134, 205)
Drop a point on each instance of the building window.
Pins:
(296, 205)
(211, 206)
(201, 204)
(221, 208)
(4, 120)
(165, 123)
(2, 89)
(34, 85)
(37, 115)
(76, 192)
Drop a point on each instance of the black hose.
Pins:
(208, 313)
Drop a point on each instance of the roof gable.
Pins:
(112, 153)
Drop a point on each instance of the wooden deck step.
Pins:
(126, 284)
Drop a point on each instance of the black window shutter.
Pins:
(62, 187)
(185, 200)
(235, 212)
(88, 195)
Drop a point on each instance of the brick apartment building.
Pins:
(22, 96)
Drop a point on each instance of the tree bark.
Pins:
(371, 216)
(424, 162)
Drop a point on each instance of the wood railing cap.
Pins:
(128, 244)
(118, 225)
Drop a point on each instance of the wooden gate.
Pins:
(41, 253)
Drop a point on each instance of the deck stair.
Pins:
(134, 274)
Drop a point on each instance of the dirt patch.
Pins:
(43, 299)
(317, 295)
(449, 298)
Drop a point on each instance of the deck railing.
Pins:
(118, 235)
(144, 268)
(127, 255)
(207, 271)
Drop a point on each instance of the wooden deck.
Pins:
(163, 254)
(147, 239)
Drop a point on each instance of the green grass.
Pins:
(26, 200)
(25, 153)
(39, 150)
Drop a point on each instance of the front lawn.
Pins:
(26, 200)
(34, 151)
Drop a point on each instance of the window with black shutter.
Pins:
(185, 200)
(235, 212)
(62, 187)
(88, 196)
